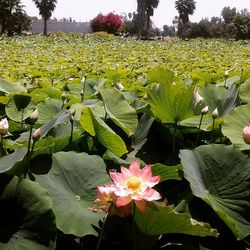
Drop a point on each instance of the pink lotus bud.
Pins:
(37, 134)
(4, 126)
(246, 134)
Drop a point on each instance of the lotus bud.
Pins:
(119, 86)
(72, 115)
(198, 98)
(246, 134)
(83, 79)
(64, 96)
(204, 111)
(37, 134)
(157, 86)
(226, 74)
(4, 126)
(34, 117)
(215, 114)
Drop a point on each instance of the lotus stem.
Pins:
(28, 168)
(241, 75)
(213, 132)
(71, 131)
(198, 134)
(220, 133)
(28, 153)
(103, 227)
(174, 137)
(133, 228)
(2, 146)
(83, 89)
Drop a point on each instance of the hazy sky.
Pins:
(82, 10)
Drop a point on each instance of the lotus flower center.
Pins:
(133, 183)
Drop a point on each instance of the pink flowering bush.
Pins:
(109, 23)
(130, 185)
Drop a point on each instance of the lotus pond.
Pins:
(111, 143)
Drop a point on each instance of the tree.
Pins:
(184, 8)
(46, 8)
(6, 9)
(239, 26)
(19, 22)
(228, 14)
(13, 18)
(145, 9)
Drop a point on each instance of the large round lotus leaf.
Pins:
(19, 107)
(171, 103)
(245, 91)
(72, 183)
(218, 97)
(220, 175)
(160, 219)
(27, 220)
(48, 110)
(234, 124)
(119, 110)
(8, 161)
(95, 126)
(11, 87)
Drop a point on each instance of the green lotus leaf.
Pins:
(11, 87)
(171, 103)
(95, 126)
(160, 219)
(72, 183)
(167, 172)
(48, 109)
(91, 85)
(41, 94)
(19, 107)
(61, 117)
(140, 136)
(160, 75)
(223, 99)
(27, 220)
(119, 111)
(8, 161)
(234, 124)
(245, 91)
(219, 175)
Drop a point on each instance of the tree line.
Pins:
(231, 24)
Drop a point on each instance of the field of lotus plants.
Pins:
(112, 143)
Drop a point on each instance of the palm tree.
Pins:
(145, 9)
(7, 7)
(46, 8)
(185, 8)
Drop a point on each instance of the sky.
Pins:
(82, 10)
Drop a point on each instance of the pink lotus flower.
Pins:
(246, 134)
(106, 196)
(135, 184)
(4, 126)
